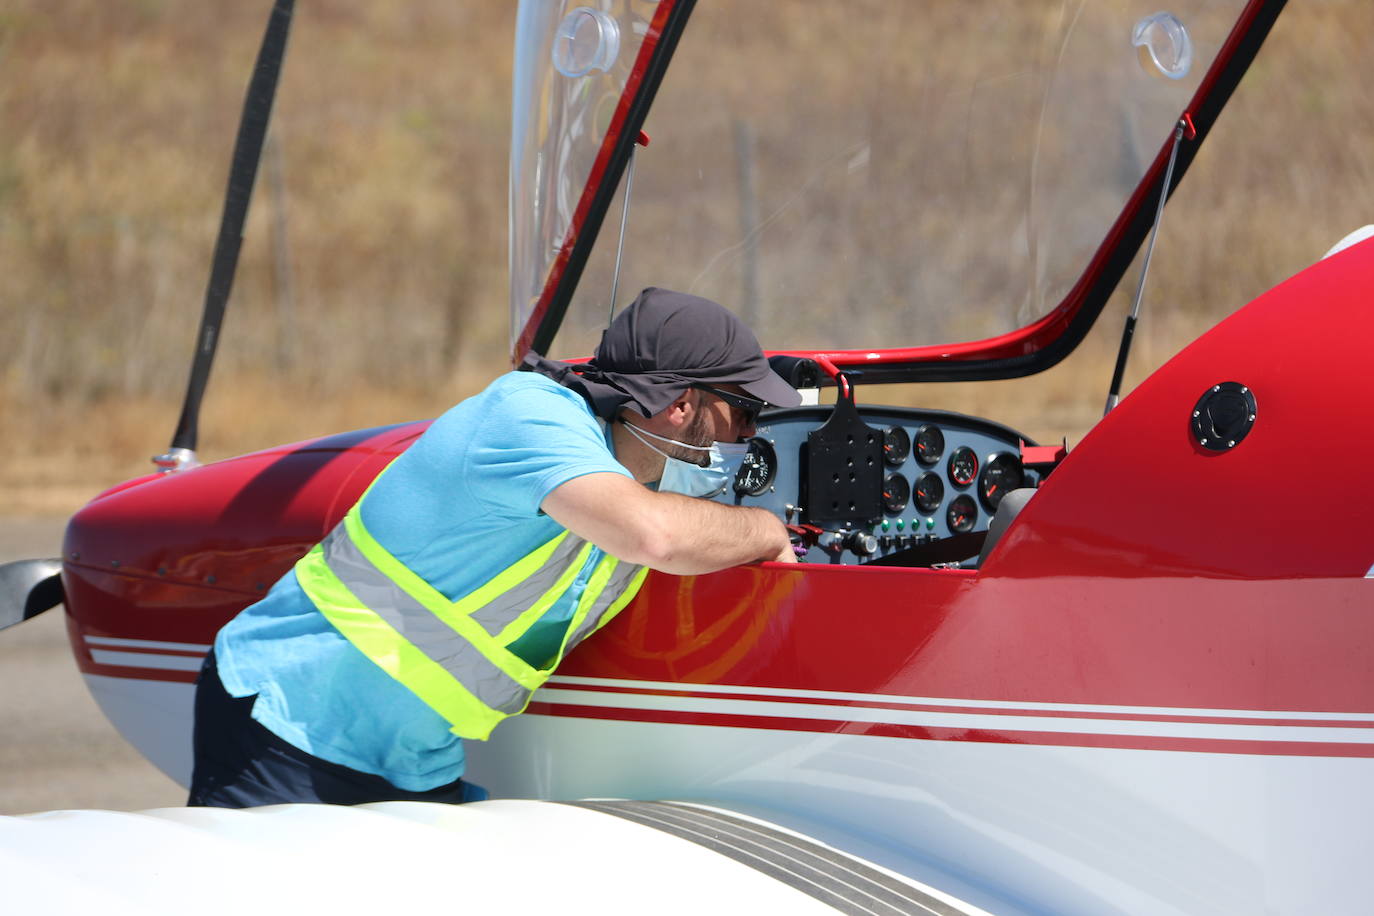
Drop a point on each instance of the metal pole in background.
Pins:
(748, 222)
(282, 289)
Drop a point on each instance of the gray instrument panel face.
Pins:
(786, 432)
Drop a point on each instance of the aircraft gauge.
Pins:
(896, 446)
(930, 445)
(930, 492)
(963, 466)
(756, 471)
(896, 492)
(962, 514)
(1002, 474)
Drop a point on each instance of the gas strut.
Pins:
(641, 140)
(243, 172)
(1183, 128)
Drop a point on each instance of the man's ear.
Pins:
(683, 409)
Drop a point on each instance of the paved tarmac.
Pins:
(57, 750)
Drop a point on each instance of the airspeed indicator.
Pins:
(757, 469)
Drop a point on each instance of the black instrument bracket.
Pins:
(842, 467)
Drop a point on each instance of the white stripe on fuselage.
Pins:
(146, 660)
(114, 642)
(992, 705)
(766, 702)
(105, 651)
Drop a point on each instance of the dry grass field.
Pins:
(116, 125)
(390, 143)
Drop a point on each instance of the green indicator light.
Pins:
(900, 524)
(886, 524)
(930, 524)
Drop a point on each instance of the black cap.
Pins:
(664, 343)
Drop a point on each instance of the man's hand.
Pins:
(786, 555)
(666, 531)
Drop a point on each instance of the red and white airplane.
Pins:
(1141, 682)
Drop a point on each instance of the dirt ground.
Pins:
(56, 748)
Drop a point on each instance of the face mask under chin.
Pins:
(723, 460)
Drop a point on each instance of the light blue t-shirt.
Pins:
(457, 507)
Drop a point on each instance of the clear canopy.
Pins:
(862, 175)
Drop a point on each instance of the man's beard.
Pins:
(697, 433)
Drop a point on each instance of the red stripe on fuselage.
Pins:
(915, 732)
(998, 736)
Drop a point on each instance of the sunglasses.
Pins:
(750, 407)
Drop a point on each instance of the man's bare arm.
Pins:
(665, 531)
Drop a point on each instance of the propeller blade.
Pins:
(28, 588)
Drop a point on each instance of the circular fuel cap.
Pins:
(1223, 416)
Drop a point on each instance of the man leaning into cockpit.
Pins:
(523, 519)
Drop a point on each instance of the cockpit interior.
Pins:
(888, 485)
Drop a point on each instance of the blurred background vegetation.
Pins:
(372, 284)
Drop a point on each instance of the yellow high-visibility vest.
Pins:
(455, 655)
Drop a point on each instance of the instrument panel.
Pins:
(938, 479)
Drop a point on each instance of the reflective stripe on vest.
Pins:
(453, 654)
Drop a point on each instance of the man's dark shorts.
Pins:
(241, 764)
